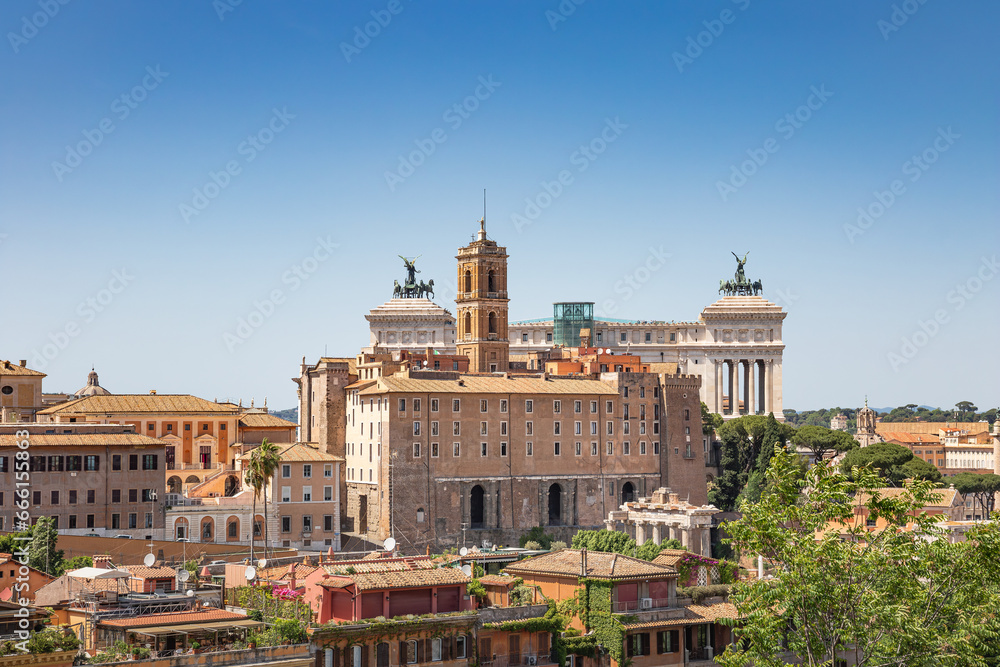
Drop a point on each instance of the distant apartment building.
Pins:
(90, 478)
(20, 392)
(952, 449)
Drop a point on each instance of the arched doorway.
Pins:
(232, 486)
(477, 513)
(555, 505)
(181, 529)
(628, 492)
(174, 484)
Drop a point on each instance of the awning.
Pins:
(189, 628)
(98, 573)
(155, 631)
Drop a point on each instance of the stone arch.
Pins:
(467, 323)
(555, 505)
(477, 507)
(192, 479)
(493, 322)
(628, 492)
(233, 529)
(468, 281)
(232, 485)
(491, 280)
(181, 528)
(174, 485)
(207, 531)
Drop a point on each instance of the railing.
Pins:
(627, 606)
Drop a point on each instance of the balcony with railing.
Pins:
(516, 660)
(642, 604)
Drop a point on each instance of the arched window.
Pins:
(467, 328)
(493, 323)
(491, 281)
(206, 529)
(628, 492)
(468, 280)
(420, 515)
(477, 507)
(232, 486)
(555, 505)
(233, 528)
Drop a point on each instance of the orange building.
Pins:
(15, 584)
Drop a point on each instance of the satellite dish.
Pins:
(183, 575)
(149, 559)
(262, 563)
(464, 551)
(250, 573)
(190, 593)
(390, 543)
(467, 570)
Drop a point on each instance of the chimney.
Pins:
(583, 562)
(428, 550)
(24, 362)
(152, 392)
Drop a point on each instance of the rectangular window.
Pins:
(286, 524)
(610, 448)
(411, 652)
(556, 407)
(503, 428)
(434, 429)
(556, 428)
(133, 520)
(402, 405)
(483, 429)
(436, 650)
(416, 428)
(54, 497)
(456, 405)
(72, 521)
(150, 462)
(642, 428)
(456, 449)
(72, 497)
(286, 471)
(434, 405)
(91, 463)
(116, 521)
(609, 407)
(456, 428)
(593, 407)
(649, 337)
(624, 337)
(579, 448)
(668, 641)
(91, 496)
(626, 448)
(524, 338)
(555, 448)
(133, 495)
(593, 449)
(548, 337)
(416, 450)
(328, 470)
(328, 523)
(328, 493)
(529, 405)
(656, 448)
(434, 450)
(307, 470)
(90, 521)
(528, 449)
(593, 428)
(55, 464)
(483, 449)
(642, 447)
(528, 428)
(133, 461)
(460, 646)
(503, 405)
(307, 523)
(286, 494)
(610, 428)
(483, 405)
(116, 495)
(116, 461)
(74, 463)
(578, 428)
(626, 428)
(416, 405)
(503, 449)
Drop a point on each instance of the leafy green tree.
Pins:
(9, 542)
(648, 550)
(820, 440)
(888, 460)
(537, 535)
(710, 421)
(744, 454)
(893, 597)
(42, 552)
(75, 563)
(982, 488)
(917, 468)
(610, 541)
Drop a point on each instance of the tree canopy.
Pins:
(821, 440)
(42, 552)
(982, 488)
(613, 541)
(892, 462)
(747, 445)
(894, 597)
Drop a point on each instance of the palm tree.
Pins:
(254, 481)
(268, 459)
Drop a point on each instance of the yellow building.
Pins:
(20, 392)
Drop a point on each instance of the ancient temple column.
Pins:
(686, 538)
(719, 384)
(640, 532)
(751, 388)
(734, 402)
(610, 525)
(657, 536)
(706, 542)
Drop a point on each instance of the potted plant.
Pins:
(195, 647)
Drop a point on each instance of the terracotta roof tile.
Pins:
(691, 615)
(301, 451)
(10, 368)
(441, 576)
(263, 420)
(150, 572)
(140, 403)
(84, 439)
(497, 580)
(179, 618)
(600, 565)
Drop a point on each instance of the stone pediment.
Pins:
(736, 308)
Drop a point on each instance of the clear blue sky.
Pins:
(329, 121)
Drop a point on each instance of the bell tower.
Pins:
(482, 304)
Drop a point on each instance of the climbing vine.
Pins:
(379, 629)
(608, 631)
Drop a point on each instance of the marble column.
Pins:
(751, 388)
(719, 385)
(686, 538)
(706, 542)
(640, 532)
(734, 402)
(672, 531)
(657, 536)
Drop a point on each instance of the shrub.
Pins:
(532, 545)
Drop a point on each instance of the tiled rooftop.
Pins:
(140, 403)
(600, 565)
(83, 440)
(179, 618)
(692, 614)
(442, 576)
(490, 384)
(262, 420)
